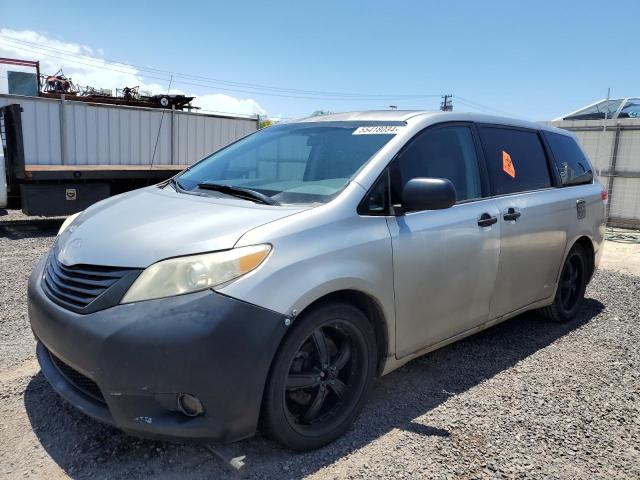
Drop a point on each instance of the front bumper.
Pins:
(141, 356)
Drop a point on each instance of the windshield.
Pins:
(293, 163)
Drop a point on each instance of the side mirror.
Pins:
(585, 177)
(428, 194)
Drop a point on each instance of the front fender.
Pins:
(349, 254)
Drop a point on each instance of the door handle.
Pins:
(486, 220)
(512, 214)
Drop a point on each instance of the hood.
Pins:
(139, 228)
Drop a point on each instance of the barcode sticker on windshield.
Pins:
(378, 130)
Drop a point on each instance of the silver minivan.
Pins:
(268, 284)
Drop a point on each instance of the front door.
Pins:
(445, 261)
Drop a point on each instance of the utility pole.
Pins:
(447, 104)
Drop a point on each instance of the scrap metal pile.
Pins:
(53, 86)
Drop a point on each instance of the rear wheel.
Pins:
(320, 377)
(570, 293)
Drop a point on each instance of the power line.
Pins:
(255, 88)
(479, 106)
(210, 86)
(211, 83)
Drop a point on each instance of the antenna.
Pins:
(153, 156)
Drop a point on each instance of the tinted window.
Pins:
(375, 203)
(515, 160)
(447, 152)
(571, 163)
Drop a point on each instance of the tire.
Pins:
(571, 287)
(308, 402)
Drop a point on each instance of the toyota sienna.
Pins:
(269, 283)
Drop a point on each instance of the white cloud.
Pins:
(91, 69)
(226, 103)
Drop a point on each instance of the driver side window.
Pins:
(441, 152)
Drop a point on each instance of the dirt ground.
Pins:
(622, 253)
(525, 399)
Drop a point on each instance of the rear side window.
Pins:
(571, 163)
(515, 159)
(446, 152)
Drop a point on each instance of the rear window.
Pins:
(571, 163)
(515, 159)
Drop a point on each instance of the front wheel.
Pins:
(573, 283)
(320, 377)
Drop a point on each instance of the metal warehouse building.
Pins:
(609, 131)
(62, 155)
(67, 132)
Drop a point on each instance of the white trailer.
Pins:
(63, 155)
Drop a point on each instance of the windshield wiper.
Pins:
(180, 189)
(176, 184)
(239, 192)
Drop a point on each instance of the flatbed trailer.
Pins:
(58, 172)
(60, 156)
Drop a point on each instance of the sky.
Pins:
(534, 60)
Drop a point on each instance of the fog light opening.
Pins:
(190, 405)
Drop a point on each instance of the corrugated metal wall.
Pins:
(80, 133)
(614, 150)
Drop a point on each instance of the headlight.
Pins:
(68, 221)
(197, 272)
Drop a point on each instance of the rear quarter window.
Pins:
(573, 167)
(515, 160)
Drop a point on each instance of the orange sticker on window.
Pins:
(507, 165)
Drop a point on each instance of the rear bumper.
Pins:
(142, 356)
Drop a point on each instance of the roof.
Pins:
(436, 116)
(628, 107)
(369, 115)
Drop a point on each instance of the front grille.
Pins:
(77, 286)
(78, 380)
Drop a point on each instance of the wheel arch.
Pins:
(370, 308)
(364, 302)
(587, 244)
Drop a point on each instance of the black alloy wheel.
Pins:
(321, 374)
(571, 281)
(320, 377)
(571, 287)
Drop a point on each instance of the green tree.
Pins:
(266, 123)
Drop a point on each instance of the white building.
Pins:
(609, 131)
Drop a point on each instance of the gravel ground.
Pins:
(18, 217)
(524, 399)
